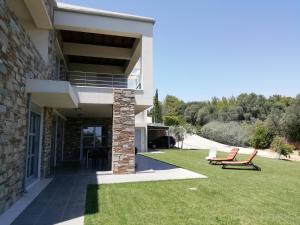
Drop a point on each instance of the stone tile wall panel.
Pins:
(123, 144)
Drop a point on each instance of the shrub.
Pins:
(171, 120)
(198, 130)
(291, 122)
(203, 116)
(231, 133)
(262, 136)
(281, 147)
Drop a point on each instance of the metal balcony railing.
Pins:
(86, 79)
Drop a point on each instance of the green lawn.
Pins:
(231, 197)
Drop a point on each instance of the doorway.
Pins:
(95, 151)
(57, 143)
(33, 148)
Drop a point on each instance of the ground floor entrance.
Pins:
(88, 143)
(95, 147)
(33, 149)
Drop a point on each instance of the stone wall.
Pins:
(47, 142)
(123, 131)
(19, 59)
(73, 135)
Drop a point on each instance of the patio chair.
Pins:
(245, 163)
(230, 157)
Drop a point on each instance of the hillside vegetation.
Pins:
(245, 120)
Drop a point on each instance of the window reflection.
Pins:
(93, 136)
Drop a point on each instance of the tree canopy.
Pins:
(279, 114)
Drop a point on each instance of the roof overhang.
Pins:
(31, 10)
(75, 18)
(50, 93)
(39, 13)
(98, 12)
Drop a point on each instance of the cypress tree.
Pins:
(156, 112)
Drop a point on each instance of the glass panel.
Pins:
(32, 166)
(88, 142)
(28, 166)
(99, 131)
(31, 144)
(36, 125)
(88, 131)
(31, 123)
(99, 141)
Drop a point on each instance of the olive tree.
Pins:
(180, 133)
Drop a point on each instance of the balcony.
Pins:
(98, 80)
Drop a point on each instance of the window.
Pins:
(93, 137)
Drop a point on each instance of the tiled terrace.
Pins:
(63, 200)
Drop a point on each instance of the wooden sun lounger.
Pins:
(230, 157)
(244, 163)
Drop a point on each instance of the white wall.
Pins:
(147, 69)
(141, 128)
(40, 38)
(141, 139)
(141, 119)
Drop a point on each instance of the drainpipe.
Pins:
(27, 141)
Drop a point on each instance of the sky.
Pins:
(207, 48)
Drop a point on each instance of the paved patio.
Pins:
(63, 200)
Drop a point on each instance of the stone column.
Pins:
(47, 139)
(123, 151)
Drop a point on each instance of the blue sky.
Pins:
(206, 48)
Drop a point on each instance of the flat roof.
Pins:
(93, 11)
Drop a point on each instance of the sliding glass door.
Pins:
(94, 148)
(33, 147)
(56, 159)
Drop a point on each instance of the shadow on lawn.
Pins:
(92, 199)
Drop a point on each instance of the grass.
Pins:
(227, 197)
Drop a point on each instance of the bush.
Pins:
(231, 133)
(171, 120)
(198, 130)
(278, 145)
(262, 137)
(291, 122)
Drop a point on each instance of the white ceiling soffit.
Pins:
(39, 13)
(96, 51)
